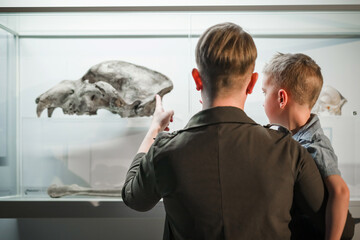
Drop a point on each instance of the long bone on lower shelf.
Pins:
(56, 191)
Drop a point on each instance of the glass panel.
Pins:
(8, 160)
(142, 3)
(343, 133)
(356, 185)
(99, 24)
(269, 24)
(97, 150)
(163, 23)
(91, 151)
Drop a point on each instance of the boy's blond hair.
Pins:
(298, 74)
(225, 53)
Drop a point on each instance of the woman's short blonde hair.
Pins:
(224, 53)
(298, 74)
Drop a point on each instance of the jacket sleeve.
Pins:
(349, 228)
(139, 191)
(310, 196)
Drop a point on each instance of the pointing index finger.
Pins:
(158, 102)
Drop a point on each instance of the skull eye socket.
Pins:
(92, 97)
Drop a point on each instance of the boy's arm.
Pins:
(338, 192)
(337, 206)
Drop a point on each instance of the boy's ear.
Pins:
(282, 98)
(198, 82)
(251, 85)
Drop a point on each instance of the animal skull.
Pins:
(330, 101)
(120, 87)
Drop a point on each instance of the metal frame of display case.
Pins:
(74, 208)
(99, 207)
(189, 8)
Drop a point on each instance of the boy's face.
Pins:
(271, 104)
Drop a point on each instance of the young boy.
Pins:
(291, 86)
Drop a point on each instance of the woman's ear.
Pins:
(251, 85)
(282, 98)
(198, 82)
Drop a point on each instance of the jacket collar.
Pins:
(219, 115)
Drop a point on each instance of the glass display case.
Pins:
(40, 49)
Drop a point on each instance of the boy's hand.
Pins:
(161, 118)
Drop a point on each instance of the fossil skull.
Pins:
(330, 101)
(120, 87)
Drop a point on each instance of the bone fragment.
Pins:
(56, 191)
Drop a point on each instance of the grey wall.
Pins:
(9, 229)
(78, 229)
